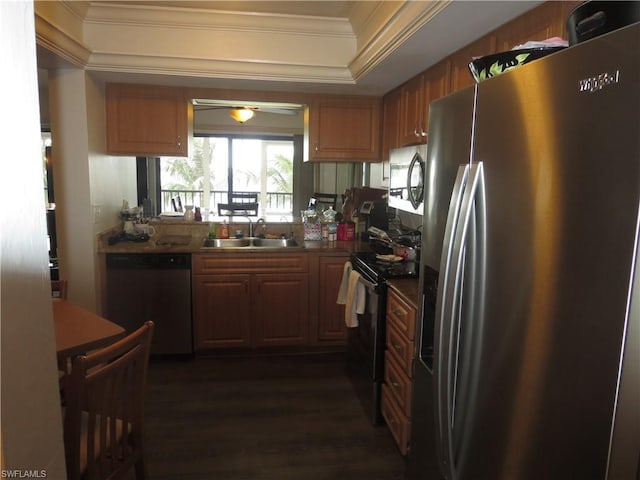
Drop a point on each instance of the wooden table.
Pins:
(78, 330)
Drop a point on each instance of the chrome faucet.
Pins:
(290, 225)
(259, 222)
(250, 225)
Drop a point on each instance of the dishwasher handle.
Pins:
(149, 261)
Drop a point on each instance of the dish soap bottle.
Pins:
(224, 230)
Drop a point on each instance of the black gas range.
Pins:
(377, 268)
(366, 342)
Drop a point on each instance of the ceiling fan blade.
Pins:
(279, 111)
(265, 107)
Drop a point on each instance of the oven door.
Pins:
(366, 350)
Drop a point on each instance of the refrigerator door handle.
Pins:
(445, 266)
(466, 249)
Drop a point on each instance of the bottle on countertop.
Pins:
(197, 216)
(213, 230)
(224, 230)
(188, 213)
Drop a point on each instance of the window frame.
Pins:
(148, 170)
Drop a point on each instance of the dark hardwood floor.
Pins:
(262, 418)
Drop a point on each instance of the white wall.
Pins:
(31, 428)
(85, 179)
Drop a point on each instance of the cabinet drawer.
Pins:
(399, 384)
(398, 424)
(401, 349)
(401, 314)
(250, 263)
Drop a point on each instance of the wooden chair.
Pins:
(240, 203)
(59, 289)
(243, 197)
(103, 418)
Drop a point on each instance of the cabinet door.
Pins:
(146, 120)
(280, 309)
(436, 85)
(540, 23)
(413, 112)
(331, 324)
(460, 76)
(221, 311)
(344, 129)
(390, 122)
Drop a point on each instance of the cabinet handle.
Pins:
(316, 148)
(179, 142)
(395, 384)
(397, 347)
(398, 312)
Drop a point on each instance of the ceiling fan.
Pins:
(241, 111)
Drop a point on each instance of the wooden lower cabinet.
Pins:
(235, 307)
(280, 304)
(331, 327)
(222, 311)
(397, 421)
(397, 389)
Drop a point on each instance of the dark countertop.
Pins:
(194, 246)
(187, 237)
(407, 288)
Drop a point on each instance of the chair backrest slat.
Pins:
(103, 418)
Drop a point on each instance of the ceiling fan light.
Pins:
(241, 115)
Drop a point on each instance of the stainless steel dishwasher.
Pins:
(156, 287)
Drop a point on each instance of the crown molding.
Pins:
(390, 28)
(167, 40)
(106, 13)
(58, 42)
(213, 68)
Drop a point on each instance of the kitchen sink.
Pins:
(274, 242)
(249, 242)
(226, 243)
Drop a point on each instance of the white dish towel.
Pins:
(352, 295)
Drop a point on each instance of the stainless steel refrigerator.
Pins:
(528, 362)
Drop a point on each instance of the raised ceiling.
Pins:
(309, 8)
(355, 47)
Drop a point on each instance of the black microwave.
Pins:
(406, 178)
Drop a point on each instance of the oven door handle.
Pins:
(368, 284)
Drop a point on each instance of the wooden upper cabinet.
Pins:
(452, 74)
(147, 120)
(436, 85)
(390, 122)
(544, 21)
(343, 128)
(413, 112)
(415, 97)
(460, 76)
